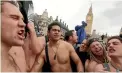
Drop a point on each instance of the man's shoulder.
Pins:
(98, 67)
(16, 50)
(65, 43)
(92, 63)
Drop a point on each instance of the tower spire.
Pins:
(90, 9)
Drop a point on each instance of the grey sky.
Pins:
(109, 19)
(107, 14)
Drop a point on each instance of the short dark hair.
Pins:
(115, 37)
(68, 34)
(55, 23)
(15, 3)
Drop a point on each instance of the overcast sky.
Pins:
(107, 14)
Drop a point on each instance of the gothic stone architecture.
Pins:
(42, 22)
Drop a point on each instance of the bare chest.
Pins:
(91, 66)
(9, 67)
(59, 57)
(112, 69)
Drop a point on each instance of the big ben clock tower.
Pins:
(89, 21)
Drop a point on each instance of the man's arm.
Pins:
(32, 45)
(36, 43)
(38, 63)
(86, 65)
(75, 58)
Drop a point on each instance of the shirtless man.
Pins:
(59, 53)
(97, 54)
(12, 33)
(114, 47)
(71, 37)
(25, 56)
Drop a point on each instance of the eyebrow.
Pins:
(56, 29)
(114, 42)
(17, 16)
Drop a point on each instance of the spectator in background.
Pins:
(82, 52)
(71, 37)
(81, 33)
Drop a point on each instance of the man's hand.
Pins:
(31, 28)
(36, 43)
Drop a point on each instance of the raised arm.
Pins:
(36, 43)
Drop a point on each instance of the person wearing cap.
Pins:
(97, 54)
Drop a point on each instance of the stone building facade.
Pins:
(42, 21)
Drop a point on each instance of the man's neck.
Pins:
(4, 51)
(117, 62)
(53, 43)
(71, 43)
(100, 58)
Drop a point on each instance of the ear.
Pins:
(70, 37)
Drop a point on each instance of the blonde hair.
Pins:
(92, 56)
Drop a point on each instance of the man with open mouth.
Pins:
(114, 47)
(97, 54)
(12, 33)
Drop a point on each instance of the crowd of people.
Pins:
(35, 54)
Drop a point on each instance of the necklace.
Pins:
(13, 63)
(55, 51)
(55, 54)
(117, 69)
